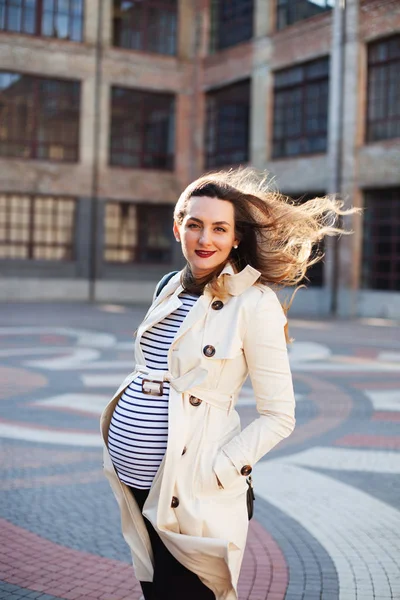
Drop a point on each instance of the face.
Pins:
(207, 234)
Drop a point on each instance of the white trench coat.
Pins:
(207, 525)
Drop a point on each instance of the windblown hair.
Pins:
(277, 236)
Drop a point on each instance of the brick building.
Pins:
(108, 108)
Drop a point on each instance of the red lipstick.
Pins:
(204, 254)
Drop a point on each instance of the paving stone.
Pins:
(59, 494)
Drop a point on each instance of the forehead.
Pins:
(206, 208)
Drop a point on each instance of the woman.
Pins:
(175, 454)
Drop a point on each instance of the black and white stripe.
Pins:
(138, 433)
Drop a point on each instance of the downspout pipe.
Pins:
(336, 132)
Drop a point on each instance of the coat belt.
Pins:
(188, 383)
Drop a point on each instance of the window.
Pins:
(381, 240)
(291, 11)
(36, 227)
(227, 125)
(383, 121)
(39, 118)
(231, 23)
(138, 233)
(301, 109)
(148, 25)
(315, 273)
(142, 129)
(62, 19)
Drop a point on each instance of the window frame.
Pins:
(31, 244)
(214, 124)
(303, 86)
(144, 98)
(218, 18)
(373, 220)
(40, 11)
(34, 112)
(285, 6)
(373, 65)
(168, 5)
(140, 208)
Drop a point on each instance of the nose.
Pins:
(205, 238)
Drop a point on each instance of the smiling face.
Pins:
(207, 234)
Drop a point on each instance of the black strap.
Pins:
(163, 282)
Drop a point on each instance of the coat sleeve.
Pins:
(267, 360)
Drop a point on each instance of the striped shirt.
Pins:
(138, 433)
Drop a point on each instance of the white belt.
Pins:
(154, 380)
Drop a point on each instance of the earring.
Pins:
(178, 240)
(236, 247)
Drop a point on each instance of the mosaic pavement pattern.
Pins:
(327, 518)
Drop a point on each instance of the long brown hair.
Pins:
(277, 236)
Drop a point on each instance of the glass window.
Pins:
(291, 11)
(39, 118)
(138, 233)
(231, 23)
(60, 19)
(381, 240)
(37, 227)
(142, 129)
(148, 25)
(227, 125)
(383, 115)
(301, 109)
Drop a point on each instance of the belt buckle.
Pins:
(152, 392)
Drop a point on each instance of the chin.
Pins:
(202, 265)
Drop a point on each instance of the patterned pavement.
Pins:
(327, 518)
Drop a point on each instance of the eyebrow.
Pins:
(215, 223)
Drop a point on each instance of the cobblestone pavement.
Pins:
(327, 518)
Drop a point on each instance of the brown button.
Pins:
(208, 351)
(195, 401)
(174, 502)
(246, 470)
(184, 450)
(217, 305)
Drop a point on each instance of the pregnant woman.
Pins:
(175, 455)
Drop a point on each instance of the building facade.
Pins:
(109, 108)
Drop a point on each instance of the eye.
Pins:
(220, 229)
(192, 225)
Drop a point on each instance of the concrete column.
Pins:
(263, 18)
(201, 20)
(104, 123)
(106, 28)
(87, 121)
(90, 21)
(341, 258)
(187, 30)
(261, 84)
(183, 142)
(349, 256)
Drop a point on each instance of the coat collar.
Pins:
(237, 283)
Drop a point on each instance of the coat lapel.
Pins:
(198, 312)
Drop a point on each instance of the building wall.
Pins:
(190, 75)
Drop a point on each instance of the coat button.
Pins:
(246, 470)
(208, 351)
(217, 305)
(184, 450)
(174, 502)
(195, 401)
